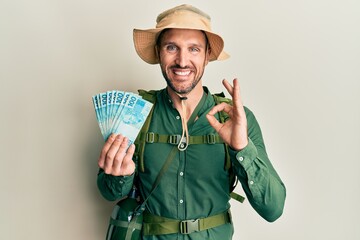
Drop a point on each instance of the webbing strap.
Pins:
(124, 224)
(164, 168)
(151, 137)
(139, 141)
(131, 228)
(237, 197)
(157, 225)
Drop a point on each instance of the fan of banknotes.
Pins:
(121, 113)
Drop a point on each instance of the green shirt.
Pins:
(196, 185)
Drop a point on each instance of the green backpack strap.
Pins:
(140, 140)
(220, 98)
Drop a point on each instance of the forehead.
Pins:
(183, 35)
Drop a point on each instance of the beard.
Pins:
(186, 89)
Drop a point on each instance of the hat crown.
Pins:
(184, 7)
(184, 16)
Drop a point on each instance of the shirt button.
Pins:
(181, 174)
(241, 159)
(251, 182)
(177, 117)
(181, 201)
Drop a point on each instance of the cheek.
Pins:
(165, 61)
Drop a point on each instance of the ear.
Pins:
(157, 54)
(207, 54)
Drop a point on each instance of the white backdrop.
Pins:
(298, 64)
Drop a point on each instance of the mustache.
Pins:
(180, 67)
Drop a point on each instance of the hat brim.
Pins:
(145, 41)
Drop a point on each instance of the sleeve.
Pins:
(262, 185)
(114, 187)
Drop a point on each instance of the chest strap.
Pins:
(151, 137)
(156, 225)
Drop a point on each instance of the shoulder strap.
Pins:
(140, 140)
(220, 98)
(164, 168)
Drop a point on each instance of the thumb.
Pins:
(214, 122)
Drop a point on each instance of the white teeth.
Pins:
(182, 73)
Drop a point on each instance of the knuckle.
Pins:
(101, 164)
(107, 170)
(111, 138)
(118, 160)
(108, 158)
(103, 152)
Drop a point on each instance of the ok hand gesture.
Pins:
(234, 130)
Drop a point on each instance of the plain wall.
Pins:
(298, 66)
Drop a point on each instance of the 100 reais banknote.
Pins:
(120, 113)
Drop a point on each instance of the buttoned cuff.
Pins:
(246, 156)
(120, 184)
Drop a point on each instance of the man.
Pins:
(196, 185)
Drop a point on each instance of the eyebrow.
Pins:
(191, 44)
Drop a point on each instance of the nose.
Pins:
(182, 58)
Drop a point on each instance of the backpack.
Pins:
(146, 137)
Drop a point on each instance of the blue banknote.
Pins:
(132, 117)
(116, 117)
(121, 113)
(96, 102)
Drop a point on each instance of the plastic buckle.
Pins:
(210, 139)
(189, 226)
(182, 144)
(174, 139)
(150, 137)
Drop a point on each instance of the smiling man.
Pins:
(192, 199)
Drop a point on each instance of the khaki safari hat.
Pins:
(183, 17)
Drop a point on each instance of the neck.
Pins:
(192, 99)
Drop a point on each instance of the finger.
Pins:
(237, 101)
(119, 155)
(111, 154)
(128, 167)
(236, 93)
(214, 122)
(105, 149)
(228, 87)
(123, 163)
(122, 149)
(221, 107)
(217, 108)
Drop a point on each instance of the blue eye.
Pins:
(171, 48)
(194, 49)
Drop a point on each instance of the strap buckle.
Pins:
(174, 139)
(189, 226)
(210, 138)
(150, 137)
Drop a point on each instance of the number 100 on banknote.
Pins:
(120, 113)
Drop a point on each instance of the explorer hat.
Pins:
(183, 17)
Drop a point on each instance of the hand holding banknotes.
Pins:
(120, 116)
(116, 157)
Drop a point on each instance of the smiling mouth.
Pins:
(182, 73)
